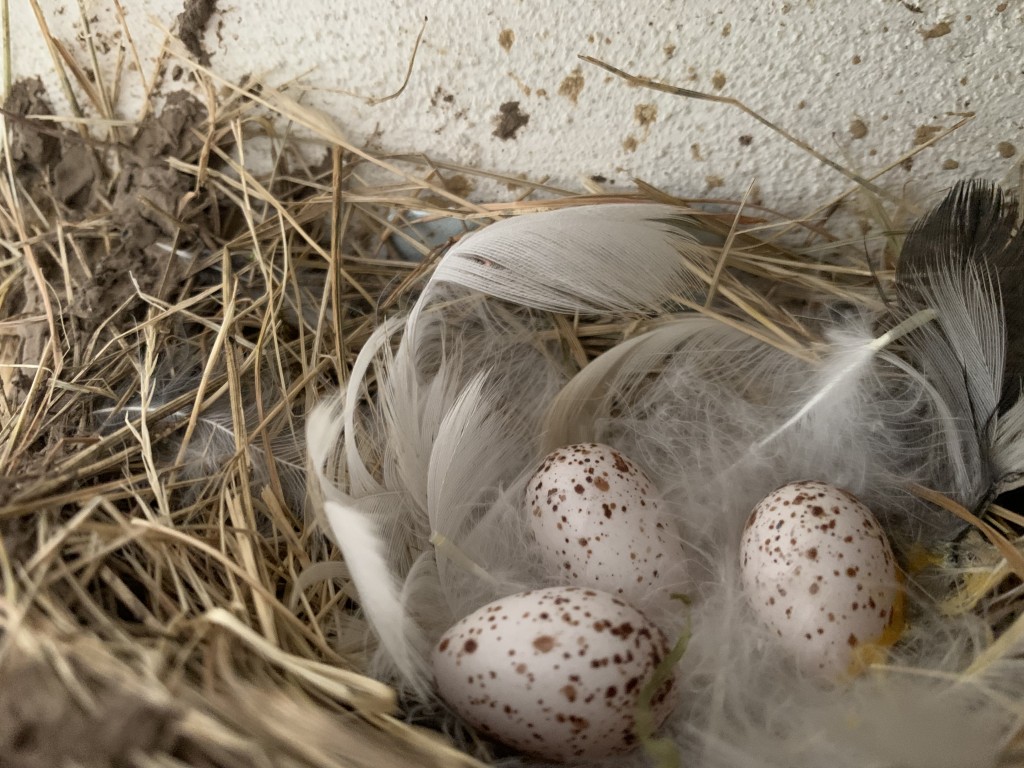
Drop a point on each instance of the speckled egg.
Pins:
(555, 673)
(819, 572)
(596, 518)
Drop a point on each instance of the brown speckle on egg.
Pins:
(544, 643)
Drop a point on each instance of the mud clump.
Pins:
(63, 174)
(192, 23)
(509, 120)
(74, 189)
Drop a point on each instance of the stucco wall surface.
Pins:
(500, 85)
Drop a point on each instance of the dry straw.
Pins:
(166, 318)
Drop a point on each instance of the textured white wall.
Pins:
(862, 82)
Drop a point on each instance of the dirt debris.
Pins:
(44, 720)
(509, 120)
(81, 280)
(192, 23)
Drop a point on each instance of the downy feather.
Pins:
(213, 444)
(475, 454)
(355, 523)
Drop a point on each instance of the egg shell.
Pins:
(819, 572)
(555, 672)
(596, 517)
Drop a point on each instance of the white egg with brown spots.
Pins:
(556, 673)
(596, 517)
(820, 574)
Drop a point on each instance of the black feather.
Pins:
(975, 227)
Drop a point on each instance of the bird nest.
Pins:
(172, 593)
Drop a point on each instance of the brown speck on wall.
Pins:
(506, 38)
(509, 120)
(718, 81)
(755, 196)
(925, 133)
(629, 144)
(441, 96)
(572, 85)
(459, 185)
(527, 90)
(645, 114)
(727, 29)
(1006, 149)
(670, 51)
(714, 182)
(858, 128)
(950, 165)
(941, 29)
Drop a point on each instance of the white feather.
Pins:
(625, 258)
(708, 410)
(357, 532)
(848, 363)
(573, 414)
(478, 450)
(358, 477)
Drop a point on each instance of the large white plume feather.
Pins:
(571, 260)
